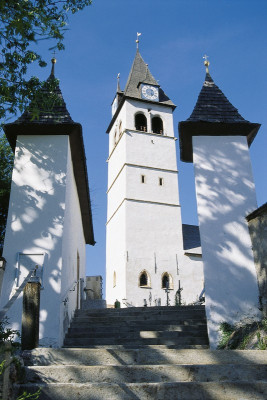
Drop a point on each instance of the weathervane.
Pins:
(206, 63)
(137, 39)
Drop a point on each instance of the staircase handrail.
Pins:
(71, 288)
(11, 301)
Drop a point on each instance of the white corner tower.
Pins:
(144, 251)
(49, 217)
(216, 138)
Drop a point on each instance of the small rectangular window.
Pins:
(142, 178)
(160, 181)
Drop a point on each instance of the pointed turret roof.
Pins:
(56, 120)
(213, 115)
(213, 106)
(51, 109)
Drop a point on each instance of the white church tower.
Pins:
(49, 217)
(145, 252)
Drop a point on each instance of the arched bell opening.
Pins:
(157, 125)
(140, 122)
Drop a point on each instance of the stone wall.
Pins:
(257, 222)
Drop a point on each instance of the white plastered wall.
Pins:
(225, 195)
(73, 253)
(116, 257)
(35, 225)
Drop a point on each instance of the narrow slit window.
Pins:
(160, 181)
(142, 178)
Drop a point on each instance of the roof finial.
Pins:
(118, 82)
(53, 61)
(137, 40)
(206, 63)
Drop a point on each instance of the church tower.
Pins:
(144, 229)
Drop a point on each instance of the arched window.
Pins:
(114, 279)
(144, 279)
(140, 122)
(157, 125)
(166, 281)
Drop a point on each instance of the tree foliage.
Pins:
(6, 165)
(23, 23)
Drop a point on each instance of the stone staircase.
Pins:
(153, 353)
(185, 327)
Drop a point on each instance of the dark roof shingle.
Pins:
(213, 106)
(57, 113)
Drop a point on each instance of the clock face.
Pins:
(150, 92)
(114, 106)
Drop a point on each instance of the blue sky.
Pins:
(176, 34)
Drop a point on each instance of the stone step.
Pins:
(146, 373)
(79, 321)
(133, 328)
(135, 334)
(242, 390)
(83, 342)
(177, 318)
(137, 346)
(142, 311)
(137, 310)
(152, 355)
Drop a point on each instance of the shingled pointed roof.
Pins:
(57, 121)
(213, 115)
(213, 106)
(57, 113)
(140, 74)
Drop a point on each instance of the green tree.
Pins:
(6, 164)
(23, 23)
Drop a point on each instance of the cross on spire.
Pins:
(206, 63)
